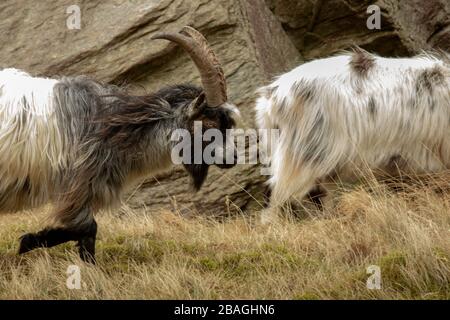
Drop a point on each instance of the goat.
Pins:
(79, 144)
(355, 110)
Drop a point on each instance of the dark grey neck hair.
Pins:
(87, 142)
(116, 137)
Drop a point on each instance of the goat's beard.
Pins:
(198, 173)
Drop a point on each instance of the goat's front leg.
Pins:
(287, 183)
(329, 196)
(86, 243)
(85, 234)
(46, 238)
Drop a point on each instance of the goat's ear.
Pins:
(197, 106)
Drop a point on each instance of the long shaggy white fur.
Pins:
(353, 111)
(31, 145)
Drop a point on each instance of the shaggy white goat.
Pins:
(339, 115)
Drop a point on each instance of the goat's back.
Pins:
(360, 107)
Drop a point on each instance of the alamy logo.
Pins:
(214, 147)
(73, 21)
(374, 281)
(73, 278)
(374, 20)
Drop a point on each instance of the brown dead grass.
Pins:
(323, 256)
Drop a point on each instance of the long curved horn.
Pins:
(212, 75)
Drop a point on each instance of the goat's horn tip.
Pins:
(164, 35)
(188, 28)
(159, 36)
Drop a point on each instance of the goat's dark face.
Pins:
(212, 128)
(205, 114)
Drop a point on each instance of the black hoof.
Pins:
(88, 258)
(87, 250)
(28, 242)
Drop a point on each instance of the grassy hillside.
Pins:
(320, 256)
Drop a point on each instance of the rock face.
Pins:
(254, 39)
(320, 27)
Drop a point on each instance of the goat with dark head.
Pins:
(83, 143)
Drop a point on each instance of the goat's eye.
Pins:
(208, 124)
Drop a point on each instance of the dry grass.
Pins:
(322, 256)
